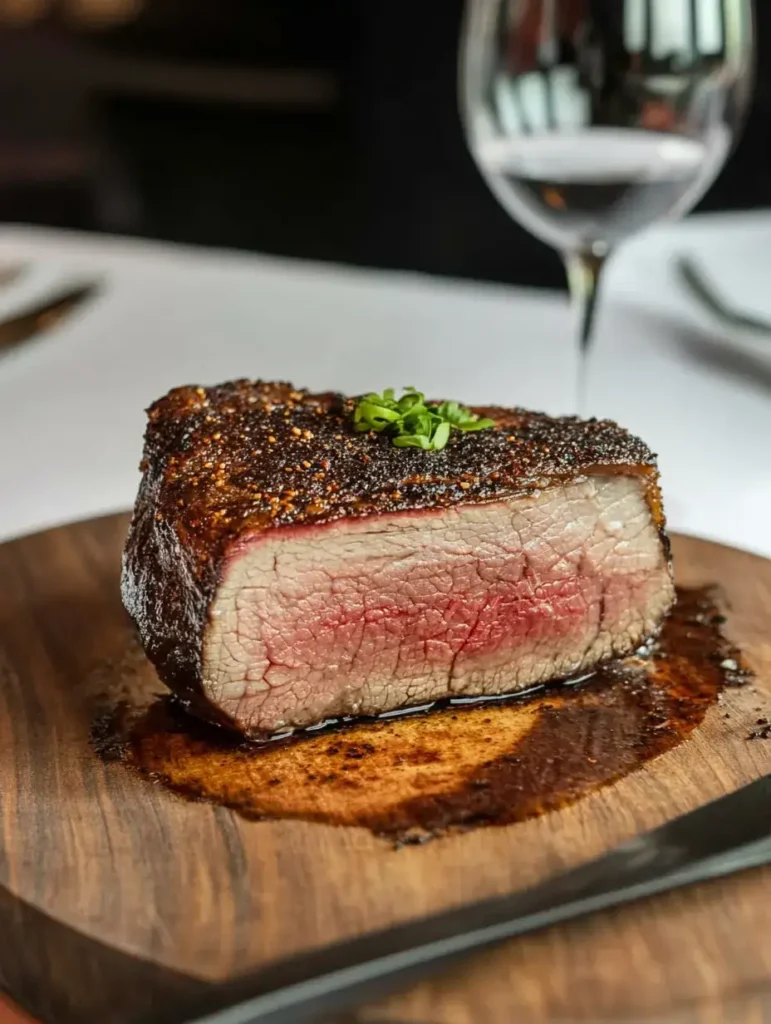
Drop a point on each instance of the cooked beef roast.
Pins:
(283, 569)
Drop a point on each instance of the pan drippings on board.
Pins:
(455, 767)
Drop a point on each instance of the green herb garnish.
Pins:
(410, 422)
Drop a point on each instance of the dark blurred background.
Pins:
(325, 129)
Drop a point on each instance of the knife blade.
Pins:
(45, 315)
(726, 836)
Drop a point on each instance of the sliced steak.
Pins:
(283, 569)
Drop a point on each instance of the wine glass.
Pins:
(591, 119)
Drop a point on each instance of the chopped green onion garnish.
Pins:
(411, 423)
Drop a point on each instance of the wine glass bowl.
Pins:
(591, 119)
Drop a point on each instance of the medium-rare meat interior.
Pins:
(283, 568)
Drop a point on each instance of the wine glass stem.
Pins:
(584, 270)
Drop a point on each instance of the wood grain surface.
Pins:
(118, 898)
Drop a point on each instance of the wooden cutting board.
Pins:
(118, 896)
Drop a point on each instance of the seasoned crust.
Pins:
(257, 455)
(248, 456)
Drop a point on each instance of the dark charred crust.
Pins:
(254, 455)
(248, 456)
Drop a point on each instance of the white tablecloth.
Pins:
(71, 402)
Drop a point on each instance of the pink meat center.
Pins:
(362, 616)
